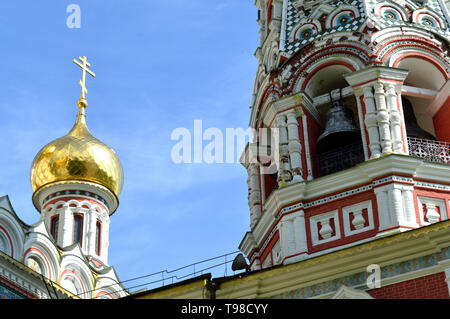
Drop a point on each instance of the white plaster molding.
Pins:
(107, 195)
(432, 215)
(345, 292)
(326, 230)
(357, 211)
(419, 92)
(325, 98)
(367, 77)
(14, 234)
(365, 176)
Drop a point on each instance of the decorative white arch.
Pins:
(11, 235)
(310, 24)
(341, 11)
(386, 7)
(344, 62)
(76, 275)
(427, 17)
(425, 68)
(108, 288)
(42, 249)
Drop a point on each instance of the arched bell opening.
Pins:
(423, 83)
(426, 129)
(339, 147)
(423, 72)
(266, 159)
(411, 113)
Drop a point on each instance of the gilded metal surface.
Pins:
(85, 69)
(77, 156)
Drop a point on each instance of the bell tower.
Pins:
(358, 94)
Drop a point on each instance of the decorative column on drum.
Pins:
(294, 147)
(254, 193)
(379, 95)
(284, 171)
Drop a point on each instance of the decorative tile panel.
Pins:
(7, 293)
(359, 280)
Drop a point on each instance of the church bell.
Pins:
(340, 128)
(412, 127)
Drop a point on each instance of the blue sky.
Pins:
(160, 65)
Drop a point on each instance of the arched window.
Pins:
(98, 229)
(54, 226)
(78, 229)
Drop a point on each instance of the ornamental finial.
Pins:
(82, 103)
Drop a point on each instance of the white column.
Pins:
(396, 203)
(408, 202)
(383, 119)
(291, 237)
(262, 190)
(300, 232)
(294, 147)
(307, 151)
(361, 123)
(285, 167)
(372, 123)
(287, 237)
(92, 232)
(282, 229)
(255, 194)
(105, 240)
(395, 118)
(383, 208)
(66, 226)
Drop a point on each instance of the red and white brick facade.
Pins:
(374, 56)
(426, 287)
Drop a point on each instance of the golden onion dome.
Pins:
(77, 156)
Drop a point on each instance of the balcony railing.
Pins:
(352, 154)
(338, 159)
(433, 151)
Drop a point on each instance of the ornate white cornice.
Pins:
(351, 261)
(373, 74)
(362, 177)
(106, 194)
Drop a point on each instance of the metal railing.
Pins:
(217, 266)
(338, 159)
(433, 151)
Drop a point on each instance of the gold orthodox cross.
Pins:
(85, 69)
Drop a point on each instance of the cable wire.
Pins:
(127, 289)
